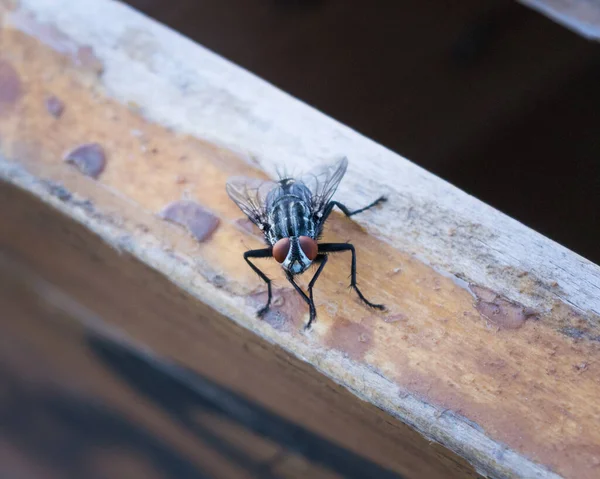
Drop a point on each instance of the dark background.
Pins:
(491, 96)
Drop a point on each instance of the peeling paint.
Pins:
(55, 106)
(199, 222)
(59, 191)
(503, 313)
(88, 158)
(10, 87)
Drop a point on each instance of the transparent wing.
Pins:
(250, 195)
(323, 182)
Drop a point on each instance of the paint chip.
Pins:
(10, 86)
(500, 311)
(88, 158)
(199, 222)
(581, 367)
(55, 106)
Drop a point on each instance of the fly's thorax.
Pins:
(295, 254)
(288, 188)
(290, 216)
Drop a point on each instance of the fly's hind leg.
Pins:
(344, 209)
(349, 213)
(261, 253)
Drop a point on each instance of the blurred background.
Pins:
(491, 96)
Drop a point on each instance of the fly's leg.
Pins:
(261, 253)
(345, 209)
(323, 260)
(325, 248)
(347, 212)
(309, 301)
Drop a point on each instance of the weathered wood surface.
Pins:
(504, 371)
(581, 16)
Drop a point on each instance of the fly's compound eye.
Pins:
(309, 247)
(281, 249)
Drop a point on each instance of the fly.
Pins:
(291, 213)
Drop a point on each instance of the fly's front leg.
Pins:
(325, 248)
(261, 253)
(309, 301)
(323, 260)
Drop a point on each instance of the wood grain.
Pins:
(504, 371)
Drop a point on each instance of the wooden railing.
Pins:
(122, 328)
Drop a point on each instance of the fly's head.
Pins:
(295, 254)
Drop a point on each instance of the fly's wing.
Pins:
(250, 195)
(323, 182)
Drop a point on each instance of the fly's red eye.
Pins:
(309, 246)
(281, 249)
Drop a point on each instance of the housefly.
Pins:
(291, 213)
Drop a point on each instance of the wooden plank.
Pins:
(504, 371)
